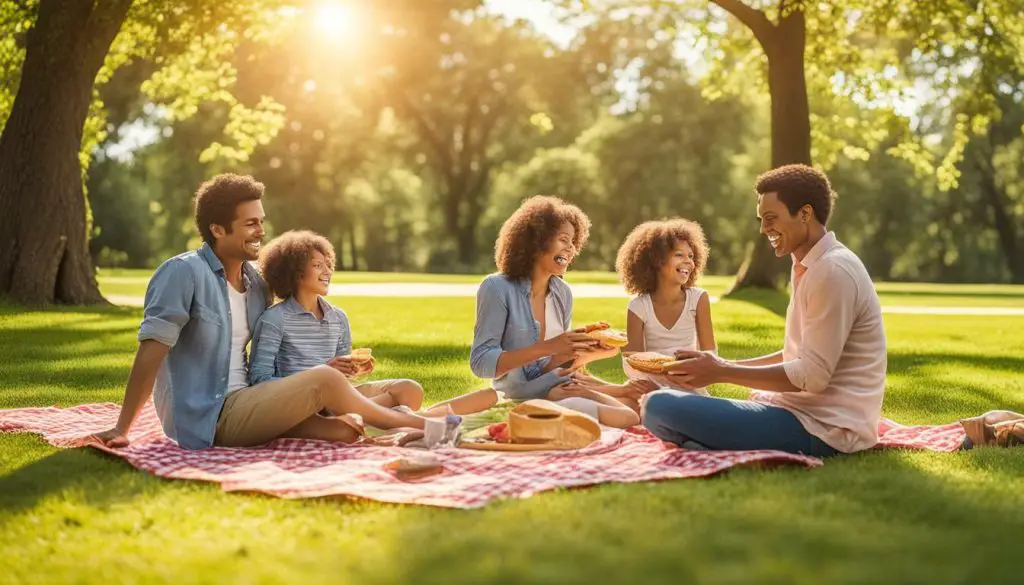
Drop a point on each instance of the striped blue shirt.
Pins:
(289, 339)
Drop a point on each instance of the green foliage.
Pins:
(16, 19)
(409, 139)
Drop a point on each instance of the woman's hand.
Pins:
(570, 344)
(597, 351)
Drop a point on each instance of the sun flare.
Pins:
(334, 20)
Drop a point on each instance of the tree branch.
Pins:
(429, 134)
(752, 18)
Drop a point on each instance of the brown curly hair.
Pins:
(799, 185)
(649, 246)
(286, 257)
(216, 200)
(529, 231)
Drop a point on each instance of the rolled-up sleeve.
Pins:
(168, 303)
(491, 315)
(345, 339)
(828, 317)
(266, 342)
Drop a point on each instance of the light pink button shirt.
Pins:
(835, 348)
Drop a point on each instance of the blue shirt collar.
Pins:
(206, 251)
(524, 285)
(294, 307)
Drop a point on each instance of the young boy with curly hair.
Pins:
(304, 331)
(201, 307)
(660, 262)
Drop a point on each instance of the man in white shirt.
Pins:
(823, 392)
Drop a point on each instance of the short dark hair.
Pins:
(799, 185)
(530, 229)
(216, 200)
(285, 258)
(650, 245)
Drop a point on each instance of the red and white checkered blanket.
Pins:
(296, 468)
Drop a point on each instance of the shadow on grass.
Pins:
(84, 475)
(931, 393)
(876, 517)
(67, 356)
(8, 308)
(772, 300)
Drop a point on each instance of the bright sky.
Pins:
(335, 20)
(538, 12)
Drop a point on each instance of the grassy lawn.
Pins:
(135, 276)
(879, 517)
(133, 283)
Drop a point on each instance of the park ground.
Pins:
(878, 517)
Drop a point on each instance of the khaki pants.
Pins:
(257, 414)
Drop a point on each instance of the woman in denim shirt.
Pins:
(523, 338)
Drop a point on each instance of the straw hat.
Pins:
(540, 425)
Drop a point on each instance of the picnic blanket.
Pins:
(299, 468)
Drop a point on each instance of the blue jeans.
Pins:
(718, 424)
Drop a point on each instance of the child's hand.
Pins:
(365, 368)
(637, 387)
(598, 352)
(345, 365)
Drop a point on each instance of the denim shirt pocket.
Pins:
(206, 314)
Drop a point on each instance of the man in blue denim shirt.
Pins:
(200, 310)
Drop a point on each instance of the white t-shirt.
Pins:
(238, 376)
(552, 322)
(682, 334)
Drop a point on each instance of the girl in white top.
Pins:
(659, 262)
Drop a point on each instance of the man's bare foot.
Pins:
(355, 428)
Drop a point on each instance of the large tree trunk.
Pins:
(1002, 221)
(461, 221)
(467, 243)
(791, 134)
(44, 254)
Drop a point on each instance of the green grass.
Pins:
(878, 517)
(133, 283)
(134, 276)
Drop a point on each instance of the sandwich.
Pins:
(361, 355)
(603, 332)
(650, 362)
